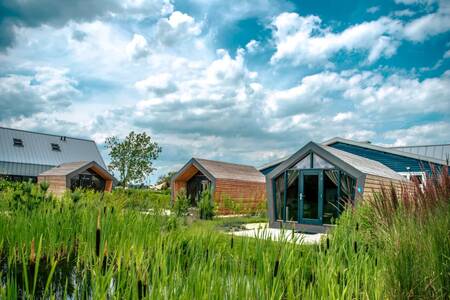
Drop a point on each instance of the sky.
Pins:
(239, 81)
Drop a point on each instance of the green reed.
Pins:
(103, 247)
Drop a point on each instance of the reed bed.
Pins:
(101, 247)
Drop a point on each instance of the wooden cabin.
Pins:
(69, 176)
(309, 189)
(242, 185)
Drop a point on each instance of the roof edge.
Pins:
(50, 134)
(314, 147)
(383, 149)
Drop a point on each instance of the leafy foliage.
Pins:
(104, 248)
(182, 203)
(132, 158)
(165, 179)
(205, 205)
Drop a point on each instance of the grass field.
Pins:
(97, 246)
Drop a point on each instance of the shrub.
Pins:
(44, 185)
(181, 205)
(205, 205)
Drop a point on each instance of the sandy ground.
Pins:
(261, 230)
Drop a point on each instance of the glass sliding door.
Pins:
(311, 197)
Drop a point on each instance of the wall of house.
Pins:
(245, 196)
(176, 187)
(395, 162)
(57, 184)
(374, 184)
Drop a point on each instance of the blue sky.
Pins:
(244, 82)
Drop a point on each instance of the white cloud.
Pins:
(177, 28)
(373, 9)
(160, 84)
(404, 13)
(303, 40)
(138, 47)
(415, 2)
(447, 54)
(343, 116)
(420, 29)
(432, 133)
(146, 8)
(47, 90)
(252, 46)
(371, 93)
(313, 93)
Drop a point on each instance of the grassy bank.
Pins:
(105, 247)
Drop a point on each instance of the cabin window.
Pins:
(87, 180)
(55, 147)
(320, 163)
(305, 163)
(416, 177)
(18, 142)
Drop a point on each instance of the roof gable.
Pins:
(224, 170)
(354, 165)
(221, 170)
(68, 169)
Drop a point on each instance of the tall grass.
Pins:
(101, 247)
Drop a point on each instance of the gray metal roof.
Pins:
(433, 153)
(18, 169)
(441, 152)
(395, 151)
(355, 165)
(364, 165)
(37, 150)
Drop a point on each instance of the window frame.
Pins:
(55, 147)
(408, 175)
(18, 142)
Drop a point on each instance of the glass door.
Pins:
(310, 197)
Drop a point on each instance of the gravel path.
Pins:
(261, 230)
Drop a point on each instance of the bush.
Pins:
(205, 206)
(181, 206)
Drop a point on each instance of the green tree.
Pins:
(166, 179)
(132, 157)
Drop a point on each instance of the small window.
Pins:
(18, 142)
(305, 163)
(320, 163)
(416, 177)
(55, 147)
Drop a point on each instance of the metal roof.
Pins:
(37, 150)
(364, 165)
(18, 169)
(355, 165)
(441, 151)
(384, 149)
